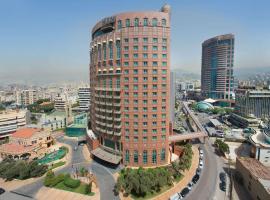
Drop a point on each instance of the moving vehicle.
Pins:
(75, 148)
(2, 190)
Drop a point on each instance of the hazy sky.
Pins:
(46, 41)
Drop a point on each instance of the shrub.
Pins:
(70, 182)
(57, 179)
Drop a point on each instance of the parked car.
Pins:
(75, 148)
(195, 178)
(222, 176)
(201, 164)
(222, 186)
(184, 192)
(198, 171)
(175, 197)
(189, 186)
(2, 190)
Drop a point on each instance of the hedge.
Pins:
(70, 182)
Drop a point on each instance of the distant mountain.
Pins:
(185, 75)
(245, 73)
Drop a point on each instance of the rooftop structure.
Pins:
(261, 146)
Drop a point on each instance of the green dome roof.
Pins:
(204, 106)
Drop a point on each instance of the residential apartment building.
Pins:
(217, 67)
(250, 101)
(130, 87)
(11, 120)
(26, 97)
(84, 98)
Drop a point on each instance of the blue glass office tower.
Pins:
(217, 67)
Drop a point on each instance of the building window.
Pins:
(155, 40)
(155, 55)
(145, 157)
(104, 51)
(125, 55)
(136, 156)
(135, 40)
(127, 22)
(164, 40)
(154, 22)
(163, 155)
(145, 55)
(126, 40)
(127, 156)
(118, 49)
(145, 48)
(126, 48)
(154, 156)
(145, 22)
(135, 64)
(135, 48)
(155, 48)
(111, 50)
(145, 40)
(145, 63)
(136, 22)
(126, 64)
(155, 63)
(164, 55)
(145, 71)
(119, 24)
(163, 21)
(135, 55)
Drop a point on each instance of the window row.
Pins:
(145, 71)
(145, 131)
(145, 116)
(145, 156)
(145, 138)
(154, 79)
(144, 94)
(136, 22)
(145, 55)
(145, 86)
(145, 40)
(145, 109)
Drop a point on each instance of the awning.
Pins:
(106, 156)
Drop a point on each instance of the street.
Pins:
(104, 175)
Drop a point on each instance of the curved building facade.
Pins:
(217, 67)
(130, 84)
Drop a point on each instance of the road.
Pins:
(104, 174)
(207, 187)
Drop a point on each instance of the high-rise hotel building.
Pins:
(217, 67)
(130, 87)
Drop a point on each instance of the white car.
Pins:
(175, 197)
(201, 164)
(189, 186)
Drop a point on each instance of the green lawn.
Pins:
(58, 164)
(79, 189)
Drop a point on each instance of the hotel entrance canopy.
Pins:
(106, 156)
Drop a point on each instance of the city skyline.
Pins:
(50, 39)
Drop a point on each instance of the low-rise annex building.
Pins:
(11, 120)
(255, 177)
(26, 142)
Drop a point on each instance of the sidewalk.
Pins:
(50, 193)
